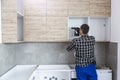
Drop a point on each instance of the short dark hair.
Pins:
(84, 28)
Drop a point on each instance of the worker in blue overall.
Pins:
(85, 58)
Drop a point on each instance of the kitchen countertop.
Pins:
(54, 67)
(72, 66)
(19, 72)
(26, 72)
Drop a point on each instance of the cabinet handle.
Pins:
(104, 25)
(33, 78)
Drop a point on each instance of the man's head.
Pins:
(84, 29)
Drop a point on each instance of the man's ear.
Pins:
(80, 31)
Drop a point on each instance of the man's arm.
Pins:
(71, 46)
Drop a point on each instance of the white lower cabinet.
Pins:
(103, 74)
(51, 75)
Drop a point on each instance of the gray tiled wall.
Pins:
(7, 57)
(111, 58)
(42, 53)
(52, 53)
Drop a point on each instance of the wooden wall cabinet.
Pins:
(9, 21)
(79, 8)
(100, 8)
(57, 8)
(90, 8)
(57, 19)
(35, 20)
(46, 20)
(12, 20)
(57, 28)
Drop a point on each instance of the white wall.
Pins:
(0, 24)
(115, 20)
(115, 28)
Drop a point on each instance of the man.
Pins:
(85, 59)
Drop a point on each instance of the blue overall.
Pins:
(86, 73)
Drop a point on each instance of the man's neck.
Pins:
(83, 34)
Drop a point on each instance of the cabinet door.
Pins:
(98, 28)
(57, 8)
(57, 13)
(57, 28)
(9, 21)
(34, 20)
(79, 8)
(45, 20)
(100, 8)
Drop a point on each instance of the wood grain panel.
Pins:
(100, 8)
(57, 21)
(79, 8)
(47, 26)
(57, 8)
(57, 12)
(57, 27)
(34, 19)
(33, 25)
(34, 11)
(58, 33)
(9, 21)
